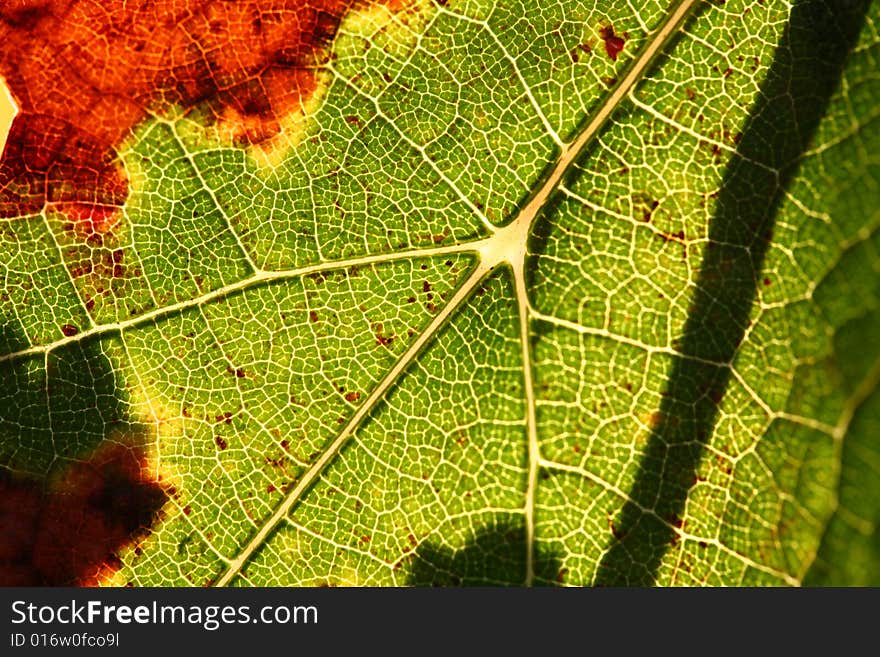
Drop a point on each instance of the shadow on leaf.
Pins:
(792, 100)
(74, 484)
(495, 556)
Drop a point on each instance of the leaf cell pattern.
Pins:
(442, 293)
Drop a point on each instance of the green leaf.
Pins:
(528, 295)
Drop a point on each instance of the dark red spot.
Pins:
(221, 442)
(81, 269)
(70, 529)
(313, 316)
(766, 281)
(426, 286)
(352, 396)
(613, 43)
(382, 340)
(69, 330)
(187, 510)
(239, 373)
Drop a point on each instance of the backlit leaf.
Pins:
(420, 292)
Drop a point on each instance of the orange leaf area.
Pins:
(85, 72)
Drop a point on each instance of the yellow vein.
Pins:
(375, 396)
(866, 386)
(860, 394)
(531, 419)
(66, 269)
(421, 150)
(244, 284)
(507, 244)
(680, 127)
(172, 125)
(595, 123)
(536, 106)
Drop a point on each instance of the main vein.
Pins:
(598, 119)
(378, 392)
(521, 228)
(259, 278)
(507, 244)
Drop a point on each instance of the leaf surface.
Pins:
(573, 293)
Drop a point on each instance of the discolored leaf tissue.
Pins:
(460, 292)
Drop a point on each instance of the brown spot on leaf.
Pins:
(381, 339)
(613, 43)
(70, 529)
(647, 214)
